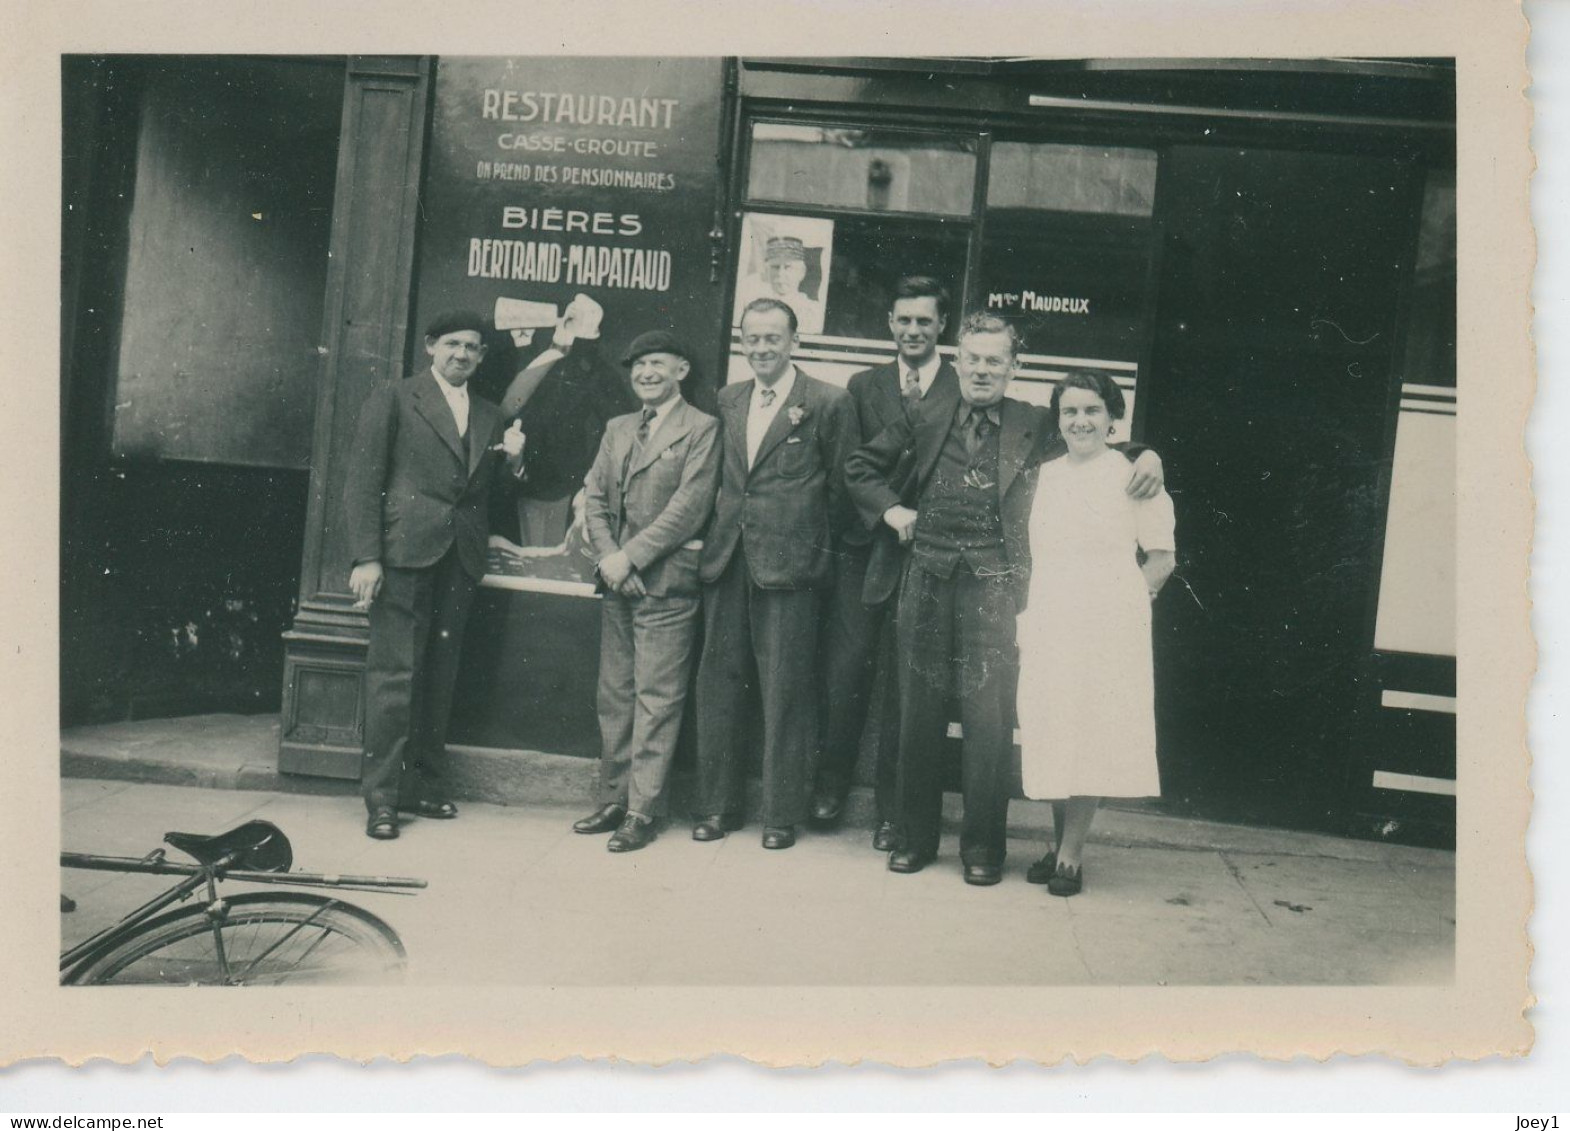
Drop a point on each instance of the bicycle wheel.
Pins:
(267, 939)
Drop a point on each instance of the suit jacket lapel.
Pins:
(932, 426)
(733, 410)
(780, 426)
(675, 425)
(431, 405)
(1014, 441)
(482, 424)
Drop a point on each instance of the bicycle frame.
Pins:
(198, 876)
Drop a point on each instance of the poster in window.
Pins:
(570, 201)
(787, 258)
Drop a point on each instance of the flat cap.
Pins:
(656, 341)
(451, 321)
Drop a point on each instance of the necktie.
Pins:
(767, 396)
(912, 387)
(979, 428)
(636, 446)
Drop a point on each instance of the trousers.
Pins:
(411, 667)
(647, 648)
(956, 640)
(758, 652)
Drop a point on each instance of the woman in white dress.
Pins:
(1086, 698)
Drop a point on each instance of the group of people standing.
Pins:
(828, 535)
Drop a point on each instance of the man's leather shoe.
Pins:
(782, 837)
(884, 839)
(603, 820)
(827, 808)
(635, 833)
(426, 807)
(907, 862)
(382, 824)
(983, 875)
(715, 826)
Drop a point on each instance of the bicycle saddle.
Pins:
(257, 846)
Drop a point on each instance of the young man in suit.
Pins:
(646, 500)
(963, 511)
(415, 503)
(768, 556)
(857, 635)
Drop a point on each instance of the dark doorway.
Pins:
(1280, 308)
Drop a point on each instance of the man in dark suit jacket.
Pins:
(963, 509)
(768, 555)
(857, 636)
(646, 500)
(414, 502)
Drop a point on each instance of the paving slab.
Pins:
(515, 897)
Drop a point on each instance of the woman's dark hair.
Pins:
(1100, 384)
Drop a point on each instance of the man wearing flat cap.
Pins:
(647, 498)
(415, 506)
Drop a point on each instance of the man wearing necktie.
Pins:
(768, 556)
(415, 505)
(647, 498)
(955, 482)
(858, 632)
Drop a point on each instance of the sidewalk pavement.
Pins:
(516, 897)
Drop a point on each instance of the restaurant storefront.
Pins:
(1262, 255)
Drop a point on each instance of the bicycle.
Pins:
(256, 938)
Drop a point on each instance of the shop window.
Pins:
(838, 275)
(1071, 178)
(874, 170)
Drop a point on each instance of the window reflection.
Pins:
(876, 170)
(1072, 178)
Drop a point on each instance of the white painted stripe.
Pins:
(1414, 783)
(1079, 362)
(538, 585)
(1417, 701)
(884, 351)
(1439, 408)
(957, 731)
(1433, 390)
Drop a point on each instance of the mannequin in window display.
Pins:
(563, 400)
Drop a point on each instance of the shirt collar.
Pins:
(927, 372)
(783, 387)
(662, 412)
(450, 391)
(991, 412)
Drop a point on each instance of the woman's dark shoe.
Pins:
(439, 810)
(715, 826)
(1066, 881)
(1041, 871)
(605, 819)
(382, 824)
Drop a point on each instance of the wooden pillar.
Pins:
(364, 338)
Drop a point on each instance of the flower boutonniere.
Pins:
(797, 414)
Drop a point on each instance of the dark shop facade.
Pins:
(1262, 253)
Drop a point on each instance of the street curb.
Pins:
(532, 777)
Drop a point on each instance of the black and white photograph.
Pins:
(708, 523)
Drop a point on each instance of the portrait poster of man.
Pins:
(788, 258)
